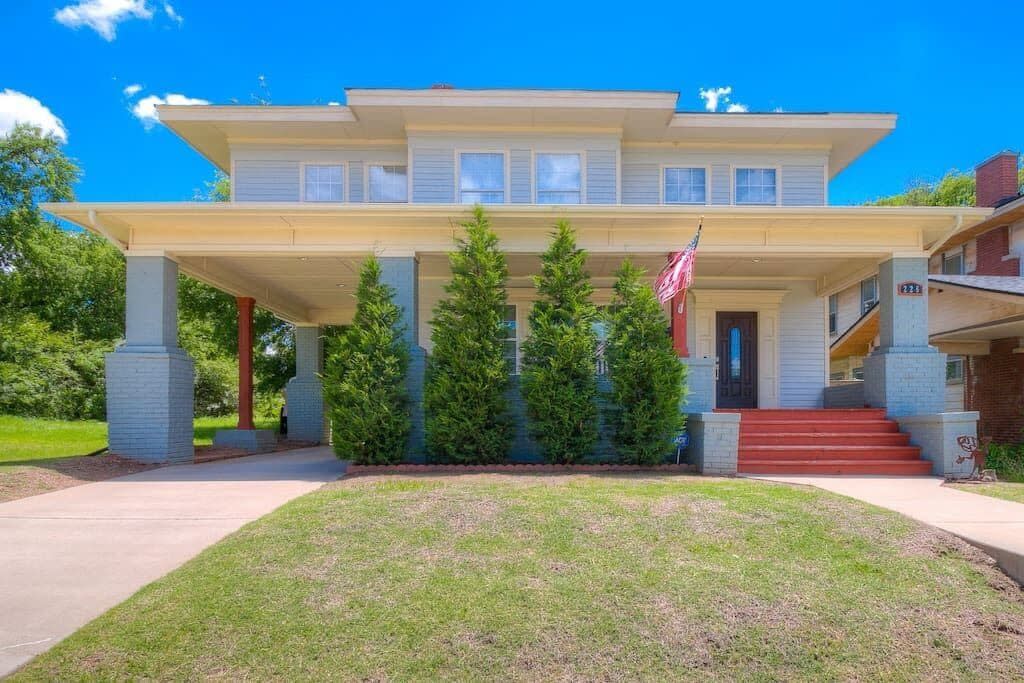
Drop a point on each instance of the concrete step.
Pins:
(818, 427)
(756, 438)
(881, 467)
(818, 453)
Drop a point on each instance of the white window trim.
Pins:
(962, 361)
(344, 180)
(506, 165)
(557, 150)
(758, 167)
(366, 180)
(707, 184)
(953, 253)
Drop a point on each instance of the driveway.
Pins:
(996, 526)
(68, 556)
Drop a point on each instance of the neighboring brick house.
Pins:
(976, 309)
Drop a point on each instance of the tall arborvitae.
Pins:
(364, 377)
(558, 377)
(467, 374)
(647, 377)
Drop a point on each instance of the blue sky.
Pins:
(948, 70)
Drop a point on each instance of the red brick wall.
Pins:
(997, 179)
(992, 247)
(994, 386)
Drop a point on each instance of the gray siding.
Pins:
(355, 181)
(521, 171)
(266, 181)
(802, 332)
(803, 185)
(601, 180)
(641, 184)
(433, 175)
(721, 184)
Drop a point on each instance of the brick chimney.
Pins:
(997, 179)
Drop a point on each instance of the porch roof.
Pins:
(300, 260)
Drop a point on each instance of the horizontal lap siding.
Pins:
(721, 184)
(601, 179)
(433, 175)
(802, 348)
(521, 182)
(803, 185)
(266, 181)
(640, 184)
(355, 181)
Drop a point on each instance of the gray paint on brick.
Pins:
(151, 303)
(266, 181)
(700, 385)
(848, 394)
(601, 172)
(521, 172)
(402, 274)
(306, 418)
(714, 442)
(937, 436)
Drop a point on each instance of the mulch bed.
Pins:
(43, 476)
(512, 468)
(213, 453)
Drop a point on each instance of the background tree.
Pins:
(467, 374)
(558, 377)
(364, 377)
(646, 375)
(954, 189)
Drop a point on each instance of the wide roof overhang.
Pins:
(644, 117)
(294, 257)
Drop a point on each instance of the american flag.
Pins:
(677, 275)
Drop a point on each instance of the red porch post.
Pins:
(679, 325)
(245, 306)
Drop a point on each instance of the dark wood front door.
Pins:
(737, 360)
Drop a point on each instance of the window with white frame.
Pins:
(868, 294)
(559, 178)
(685, 186)
(858, 373)
(954, 369)
(323, 183)
(953, 262)
(833, 314)
(389, 183)
(482, 178)
(511, 338)
(755, 186)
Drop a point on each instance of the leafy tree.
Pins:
(467, 374)
(954, 189)
(558, 377)
(364, 377)
(646, 375)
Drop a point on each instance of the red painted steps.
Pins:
(825, 441)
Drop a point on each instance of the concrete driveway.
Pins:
(68, 556)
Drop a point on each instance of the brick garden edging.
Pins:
(515, 468)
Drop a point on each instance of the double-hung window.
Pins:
(953, 262)
(323, 183)
(755, 186)
(559, 178)
(868, 294)
(833, 314)
(954, 369)
(482, 178)
(685, 186)
(389, 184)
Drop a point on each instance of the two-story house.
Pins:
(976, 311)
(317, 188)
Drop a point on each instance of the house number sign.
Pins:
(910, 288)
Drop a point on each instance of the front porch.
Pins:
(772, 268)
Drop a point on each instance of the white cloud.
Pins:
(145, 109)
(334, 104)
(16, 107)
(132, 90)
(172, 15)
(713, 95)
(102, 16)
(736, 107)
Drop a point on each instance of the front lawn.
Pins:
(564, 577)
(999, 489)
(24, 439)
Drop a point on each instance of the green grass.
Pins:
(1000, 489)
(536, 578)
(24, 439)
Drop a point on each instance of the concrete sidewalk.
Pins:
(70, 555)
(996, 526)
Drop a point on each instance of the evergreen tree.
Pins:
(364, 377)
(647, 377)
(467, 375)
(558, 376)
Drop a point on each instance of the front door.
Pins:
(737, 360)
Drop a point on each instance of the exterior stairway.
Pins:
(825, 441)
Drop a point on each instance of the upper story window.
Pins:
(868, 294)
(389, 183)
(833, 314)
(755, 186)
(685, 186)
(953, 262)
(559, 178)
(482, 178)
(323, 183)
